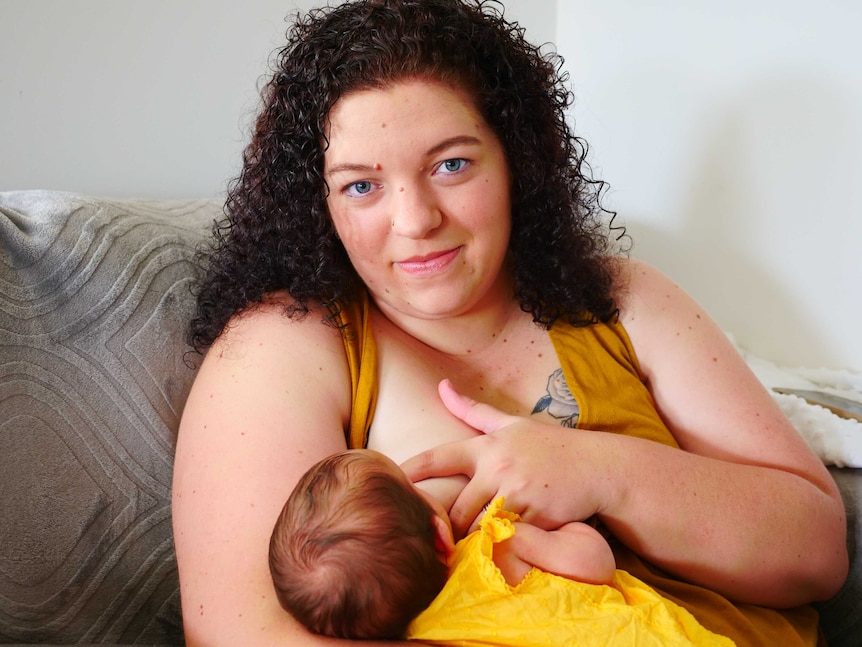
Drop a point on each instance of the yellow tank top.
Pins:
(602, 371)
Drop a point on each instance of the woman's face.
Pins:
(419, 195)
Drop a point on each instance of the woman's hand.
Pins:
(529, 462)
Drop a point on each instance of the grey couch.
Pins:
(94, 296)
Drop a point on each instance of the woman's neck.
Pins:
(467, 334)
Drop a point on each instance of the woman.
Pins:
(412, 208)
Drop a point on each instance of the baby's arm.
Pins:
(576, 551)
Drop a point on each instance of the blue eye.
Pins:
(453, 165)
(359, 188)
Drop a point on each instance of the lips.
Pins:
(428, 264)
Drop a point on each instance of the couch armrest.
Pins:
(841, 617)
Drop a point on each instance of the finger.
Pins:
(475, 525)
(482, 417)
(444, 460)
(469, 507)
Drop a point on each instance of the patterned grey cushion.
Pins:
(94, 299)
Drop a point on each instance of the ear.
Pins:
(444, 541)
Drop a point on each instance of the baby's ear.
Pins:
(444, 541)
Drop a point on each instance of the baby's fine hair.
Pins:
(278, 234)
(353, 553)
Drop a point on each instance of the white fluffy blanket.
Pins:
(836, 440)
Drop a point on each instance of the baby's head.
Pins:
(358, 551)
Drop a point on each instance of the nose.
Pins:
(416, 211)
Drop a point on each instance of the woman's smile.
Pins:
(429, 264)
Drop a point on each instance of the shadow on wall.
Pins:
(766, 232)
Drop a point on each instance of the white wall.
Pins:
(731, 135)
(143, 98)
(149, 98)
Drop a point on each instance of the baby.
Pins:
(359, 551)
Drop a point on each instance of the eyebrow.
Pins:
(452, 141)
(347, 167)
(434, 150)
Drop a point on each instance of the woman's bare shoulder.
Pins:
(637, 284)
(270, 363)
(658, 314)
(700, 383)
(277, 318)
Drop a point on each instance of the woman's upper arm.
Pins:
(709, 398)
(271, 397)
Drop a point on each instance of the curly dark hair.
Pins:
(278, 234)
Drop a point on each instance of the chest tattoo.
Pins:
(559, 401)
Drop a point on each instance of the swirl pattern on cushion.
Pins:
(94, 300)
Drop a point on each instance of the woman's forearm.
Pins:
(756, 534)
